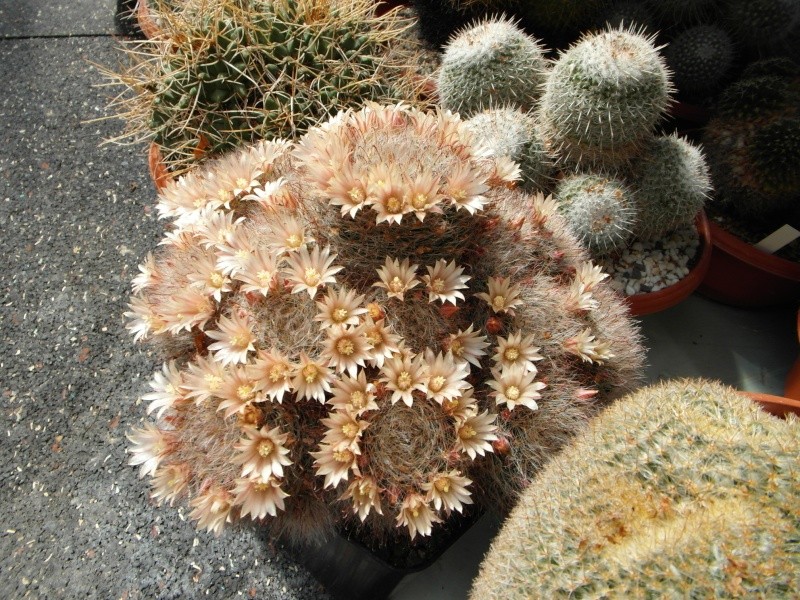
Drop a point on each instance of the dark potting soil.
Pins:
(751, 231)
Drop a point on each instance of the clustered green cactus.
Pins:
(351, 324)
(753, 143)
(700, 57)
(491, 64)
(682, 490)
(229, 72)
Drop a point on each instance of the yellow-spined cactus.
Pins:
(685, 489)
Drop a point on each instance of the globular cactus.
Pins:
(343, 319)
(513, 133)
(765, 25)
(603, 97)
(671, 183)
(753, 144)
(228, 73)
(492, 64)
(701, 58)
(684, 489)
(600, 210)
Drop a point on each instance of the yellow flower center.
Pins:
(350, 430)
(241, 182)
(343, 456)
(374, 337)
(310, 373)
(459, 195)
(312, 277)
(436, 383)
(393, 205)
(265, 448)
(396, 285)
(404, 381)
(415, 512)
(512, 392)
(437, 285)
(419, 201)
(216, 279)
(345, 347)
(294, 241)
(277, 373)
(442, 484)
(242, 254)
(240, 341)
(511, 354)
(457, 347)
(264, 277)
(245, 392)
(449, 405)
(466, 432)
(356, 195)
(213, 382)
(225, 195)
(358, 399)
(262, 487)
(340, 315)
(374, 310)
(498, 303)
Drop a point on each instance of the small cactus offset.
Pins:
(600, 210)
(512, 133)
(671, 183)
(700, 57)
(603, 98)
(685, 489)
(492, 64)
(353, 322)
(228, 73)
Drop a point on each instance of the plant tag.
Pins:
(778, 239)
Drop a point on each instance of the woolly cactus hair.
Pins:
(600, 209)
(603, 97)
(331, 307)
(671, 182)
(513, 133)
(765, 25)
(683, 489)
(227, 73)
(491, 64)
(700, 58)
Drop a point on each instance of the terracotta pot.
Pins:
(147, 24)
(792, 388)
(742, 275)
(775, 405)
(645, 304)
(158, 170)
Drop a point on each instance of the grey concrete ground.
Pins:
(75, 220)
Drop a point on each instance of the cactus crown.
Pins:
(701, 504)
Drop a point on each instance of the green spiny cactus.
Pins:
(672, 184)
(512, 133)
(600, 210)
(231, 72)
(491, 64)
(603, 97)
(682, 490)
(763, 24)
(753, 145)
(700, 58)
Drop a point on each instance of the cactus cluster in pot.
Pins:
(225, 73)
(594, 111)
(370, 326)
(685, 489)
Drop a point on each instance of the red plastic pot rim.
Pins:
(645, 304)
(752, 256)
(775, 405)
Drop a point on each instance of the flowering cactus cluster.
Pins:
(353, 323)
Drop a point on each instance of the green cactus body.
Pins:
(235, 72)
(603, 97)
(682, 490)
(491, 64)
(600, 210)
(672, 182)
(763, 24)
(753, 145)
(512, 133)
(700, 58)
